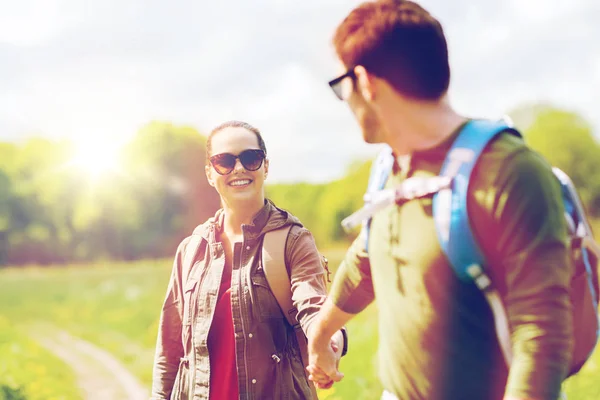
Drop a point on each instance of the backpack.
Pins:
(460, 246)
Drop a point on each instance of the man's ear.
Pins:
(208, 171)
(365, 83)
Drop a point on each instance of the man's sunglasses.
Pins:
(336, 84)
(224, 163)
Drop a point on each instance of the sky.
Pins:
(100, 70)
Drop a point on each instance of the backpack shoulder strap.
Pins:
(273, 261)
(452, 221)
(380, 171)
(450, 205)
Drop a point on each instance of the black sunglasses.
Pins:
(336, 84)
(224, 163)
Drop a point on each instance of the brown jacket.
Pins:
(182, 368)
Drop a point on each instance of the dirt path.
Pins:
(100, 375)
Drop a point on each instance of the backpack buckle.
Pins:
(481, 279)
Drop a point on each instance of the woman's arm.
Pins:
(169, 348)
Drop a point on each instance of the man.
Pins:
(437, 337)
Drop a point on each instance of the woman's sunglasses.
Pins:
(224, 163)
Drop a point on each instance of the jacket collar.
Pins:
(270, 217)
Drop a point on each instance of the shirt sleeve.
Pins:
(531, 266)
(352, 287)
(307, 275)
(169, 348)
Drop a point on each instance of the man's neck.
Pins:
(423, 127)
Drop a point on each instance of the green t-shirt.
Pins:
(437, 337)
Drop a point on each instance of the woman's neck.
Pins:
(235, 217)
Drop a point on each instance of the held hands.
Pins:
(324, 360)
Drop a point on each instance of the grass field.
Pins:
(27, 371)
(116, 307)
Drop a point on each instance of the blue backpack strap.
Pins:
(450, 205)
(380, 171)
(452, 220)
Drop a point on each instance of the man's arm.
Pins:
(169, 349)
(531, 266)
(352, 287)
(323, 366)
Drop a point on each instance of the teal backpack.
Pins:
(449, 191)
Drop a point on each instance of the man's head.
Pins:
(389, 47)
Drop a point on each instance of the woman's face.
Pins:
(241, 185)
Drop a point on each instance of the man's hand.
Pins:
(324, 362)
(325, 345)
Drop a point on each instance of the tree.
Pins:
(322, 207)
(166, 168)
(52, 212)
(566, 140)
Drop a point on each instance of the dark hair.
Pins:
(399, 41)
(234, 124)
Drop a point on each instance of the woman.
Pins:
(222, 334)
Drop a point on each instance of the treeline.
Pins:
(321, 207)
(53, 213)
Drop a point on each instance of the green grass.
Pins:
(586, 384)
(28, 371)
(117, 307)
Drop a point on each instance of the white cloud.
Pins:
(28, 23)
(75, 67)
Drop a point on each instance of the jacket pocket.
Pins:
(188, 306)
(265, 304)
(181, 386)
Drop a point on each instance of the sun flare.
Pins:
(96, 158)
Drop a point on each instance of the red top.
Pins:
(221, 345)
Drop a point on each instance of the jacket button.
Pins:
(247, 247)
(253, 380)
(250, 335)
